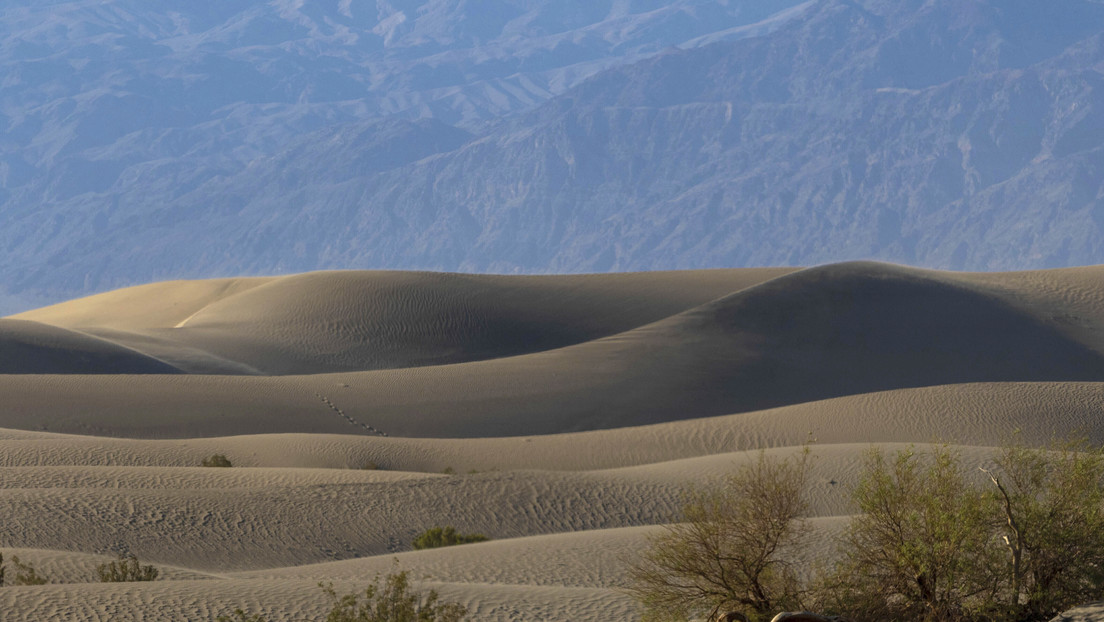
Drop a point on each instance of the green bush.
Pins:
(932, 542)
(922, 547)
(216, 460)
(1051, 527)
(444, 536)
(932, 546)
(392, 601)
(125, 570)
(734, 550)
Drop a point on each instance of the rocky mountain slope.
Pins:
(525, 135)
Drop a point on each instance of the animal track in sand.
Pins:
(333, 407)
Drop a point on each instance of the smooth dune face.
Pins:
(571, 411)
(358, 320)
(32, 348)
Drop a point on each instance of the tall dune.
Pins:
(363, 320)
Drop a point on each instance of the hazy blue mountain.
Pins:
(112, 111)
(150, 140)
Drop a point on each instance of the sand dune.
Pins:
(809, 335)
(357, 320)
(583, 405)
(983, 414)
(296, 600)
(32, 348)
(61, 566)
(156, 305)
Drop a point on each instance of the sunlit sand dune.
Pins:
(810, 335)
(348, 321)
(564, 417)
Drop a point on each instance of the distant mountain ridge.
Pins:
(960, 134)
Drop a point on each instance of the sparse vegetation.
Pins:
(444, 536)
(1022, 541)
(370, 466)
(216, 460)
(25, 574)
(449, 471)
(734, 550)
(241, 616)
(125, 570)
(393, 600)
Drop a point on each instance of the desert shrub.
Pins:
(445, 536)
(240, 616)
(216, 460)
(1051, 525)
(922, 547)
(125, 570)
(25, 574)
(449, 471)
(736, 548)
(929, 544)
(393, 600)
(370, 466)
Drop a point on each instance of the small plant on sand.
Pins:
(449, 471)
(241, 616)
(393, 600)
(445, 536)
(125, 570)
(216, 460)
(25, 574)
(370, 466)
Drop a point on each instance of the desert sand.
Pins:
(571, 412)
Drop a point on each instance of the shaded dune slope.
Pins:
(32, 348)
(814, 334)
(972, 414)
(364, 320)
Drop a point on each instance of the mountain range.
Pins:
(145, 141)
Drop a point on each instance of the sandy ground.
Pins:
(570, 413)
